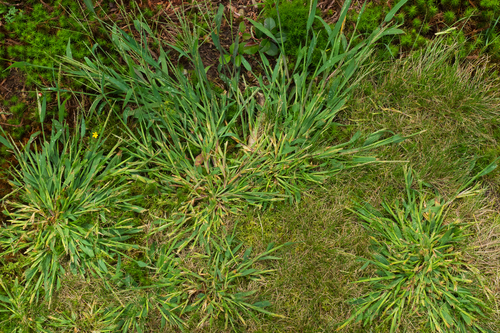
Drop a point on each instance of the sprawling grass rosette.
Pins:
(421, 270)
(65, 189)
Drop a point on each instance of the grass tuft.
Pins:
(421, 269)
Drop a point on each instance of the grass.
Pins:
(57, 189)
(421, 268)
(329, 238)
(206, 163)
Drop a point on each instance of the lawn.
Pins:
(182, 168)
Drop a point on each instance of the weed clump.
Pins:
(420, 264)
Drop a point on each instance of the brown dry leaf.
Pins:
(199, 160)
(260, 99)
(252, 139)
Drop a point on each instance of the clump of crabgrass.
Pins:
(421, 269)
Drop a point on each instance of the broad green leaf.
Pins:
(265, 45)
(250, 48)
(262, 29)
(269, 23)
(141, 264)
(245, 63)
(312, 14)
(68, 50)
(89, 5)
(394, 10)
(273, 50)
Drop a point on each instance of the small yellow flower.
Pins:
(95, 135)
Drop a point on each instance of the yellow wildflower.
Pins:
(95, 135)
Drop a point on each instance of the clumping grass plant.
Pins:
(216, 285)
(421, 270)
(65, 188)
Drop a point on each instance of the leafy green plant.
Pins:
(421, 269)
(58, 188)
(270, 44)
(236, 50)
(216, 286)
(10, 17)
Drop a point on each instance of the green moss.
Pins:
(18, 108)
(425, 28)
(421, 41)
(400, 17)
(421, 3)
(469, 11)
(293, 17)
(148, 13)
(406, 41)
(412, 11)
(490, 4)
(371, 18)
(449, 17)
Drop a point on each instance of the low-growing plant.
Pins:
(237, 50)
(10, 15)
(216, 285)
(15, 312)
(269, 44)
(57, 188)
(421, 269)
